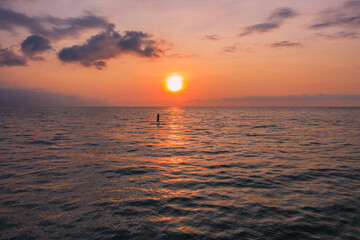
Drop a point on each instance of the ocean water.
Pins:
(204, 173)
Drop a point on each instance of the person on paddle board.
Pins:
(158, 119)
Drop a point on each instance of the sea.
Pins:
(202, 173)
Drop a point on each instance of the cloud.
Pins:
(50, 27)
(285, 44)
(109, 44)
(10, 58)
(100, 64)
(35, 44)
(181, 56)
(289, 100)
(273, 21)
(10, 19)
(73, 26)
(23, 97)
(346, 15)
(43, 29)
(230, 49)
(280, 14)
(212, 37)
(105, 45)
(340, 35)
(260, 28)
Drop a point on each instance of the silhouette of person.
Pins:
(158, 119)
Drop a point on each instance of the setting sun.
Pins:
(174, 83)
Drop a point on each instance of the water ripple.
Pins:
(205, 173)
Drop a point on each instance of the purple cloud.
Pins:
(274, 21)
(110, 44)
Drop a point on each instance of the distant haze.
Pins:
(290, 100)
(38, 98)
(22, 97)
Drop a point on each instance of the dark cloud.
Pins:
(50, 27)
(73, 26)
(10, 58)
(138, 42)
(43, 29)
(99, 64)
(273, 21)
(21, 97)
(260, 28)
(212, 37)
(346, 15)
(230, 49)
(280, 14)
(285, 44)
(105, 45)
(35, 44)
(289, 100)
(10, 19)
(340, 35)
(109, 44)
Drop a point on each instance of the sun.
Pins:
(174, 83)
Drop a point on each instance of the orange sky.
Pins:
(223, 49)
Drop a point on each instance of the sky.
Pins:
(229, 52)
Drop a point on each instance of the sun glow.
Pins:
(174, 83)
